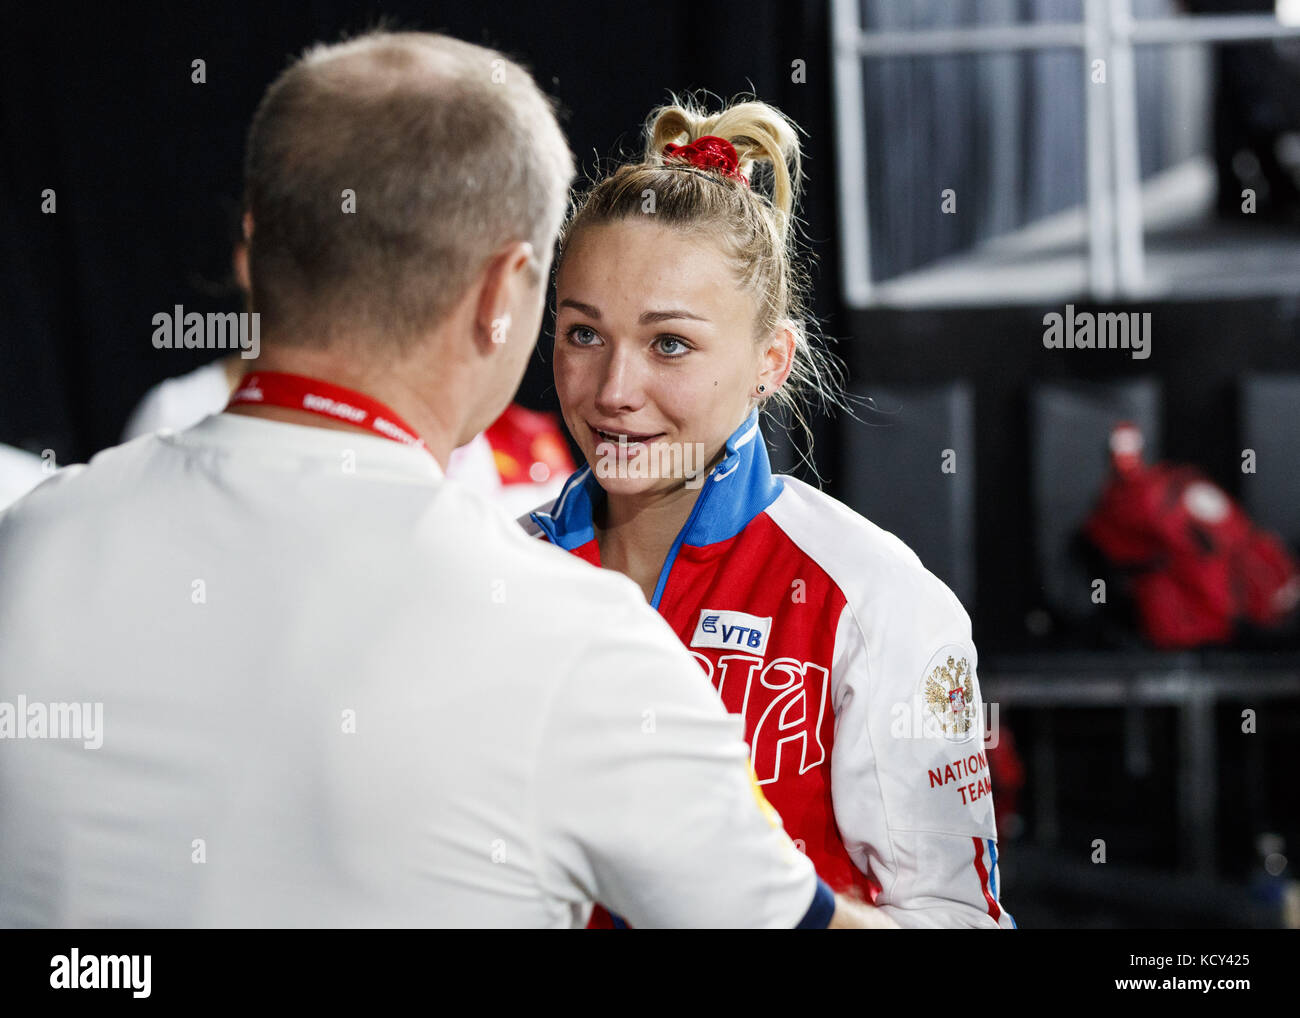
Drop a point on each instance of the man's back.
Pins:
(307, 649)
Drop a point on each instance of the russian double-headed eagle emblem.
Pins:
(950, 697)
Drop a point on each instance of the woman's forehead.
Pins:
(633, 265)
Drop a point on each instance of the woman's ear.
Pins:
(777, 358)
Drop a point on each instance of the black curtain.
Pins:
(97, 104)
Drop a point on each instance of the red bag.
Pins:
(1201, 567)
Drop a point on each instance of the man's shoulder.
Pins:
(68, 487)
(562, 576)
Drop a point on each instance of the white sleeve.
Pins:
(151, 414)
(181, 402)
(645, 798)
(20, 472)
(909, 772)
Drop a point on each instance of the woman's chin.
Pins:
(628, 486)
(630, 481)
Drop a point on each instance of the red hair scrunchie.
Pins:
(709, 153)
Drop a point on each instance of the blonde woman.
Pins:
(679, 302)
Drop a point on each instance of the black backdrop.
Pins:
(97, 103)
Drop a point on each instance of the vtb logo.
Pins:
(783, 704)
(732, 631)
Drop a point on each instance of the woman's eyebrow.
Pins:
(581, 308)
(647, 317)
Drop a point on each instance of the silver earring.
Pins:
(762, 388)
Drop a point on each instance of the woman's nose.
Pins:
(620, 388)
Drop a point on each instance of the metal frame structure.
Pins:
(1109, 33)
(1194, 690)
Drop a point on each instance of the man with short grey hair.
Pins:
(274, 670)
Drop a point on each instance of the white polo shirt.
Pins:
(20, 472)
(181, 402)
(336, 690)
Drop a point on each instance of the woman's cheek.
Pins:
(570, 405)
(564, 382)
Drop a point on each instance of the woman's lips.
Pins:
(617, 438)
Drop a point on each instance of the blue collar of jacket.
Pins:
(736, 490)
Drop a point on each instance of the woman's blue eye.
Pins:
(573, 332)
(679, 347)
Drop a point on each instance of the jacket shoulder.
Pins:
(527, 522)
(879, 575)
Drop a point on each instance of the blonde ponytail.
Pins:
(766, 143)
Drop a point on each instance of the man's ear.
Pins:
(509, 272)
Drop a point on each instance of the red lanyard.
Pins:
(298, 392)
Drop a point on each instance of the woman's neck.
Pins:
(635, 532)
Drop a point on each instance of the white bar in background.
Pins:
(981, 39)
(1127, 157)
(851, 154)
